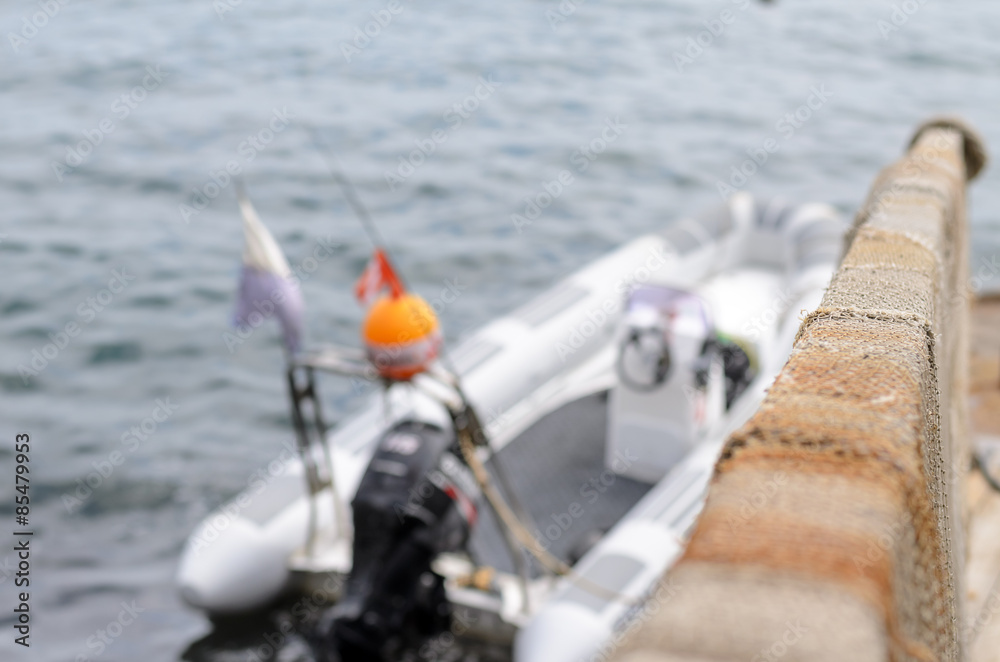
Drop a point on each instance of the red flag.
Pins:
(377, 276)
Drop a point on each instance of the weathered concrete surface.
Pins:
(860, 554)
(982, 626)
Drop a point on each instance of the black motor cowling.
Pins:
(416, 500)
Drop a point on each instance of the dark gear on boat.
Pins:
(415, 501)
(736, 366)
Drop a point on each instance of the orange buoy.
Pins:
(402, 335)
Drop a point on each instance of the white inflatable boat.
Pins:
(604, 402)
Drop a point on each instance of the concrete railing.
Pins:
(833, 527)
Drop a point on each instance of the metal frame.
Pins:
(311, 428)
(352, 362)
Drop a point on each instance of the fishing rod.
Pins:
(350, 194)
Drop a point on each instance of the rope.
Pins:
(521, 533)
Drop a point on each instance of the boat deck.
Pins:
(556, 467)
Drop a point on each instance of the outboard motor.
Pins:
(415, 501)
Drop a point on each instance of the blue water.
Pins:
(544, 92)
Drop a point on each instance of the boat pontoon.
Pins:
(535, 482)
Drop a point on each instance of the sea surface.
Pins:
(120, 240)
